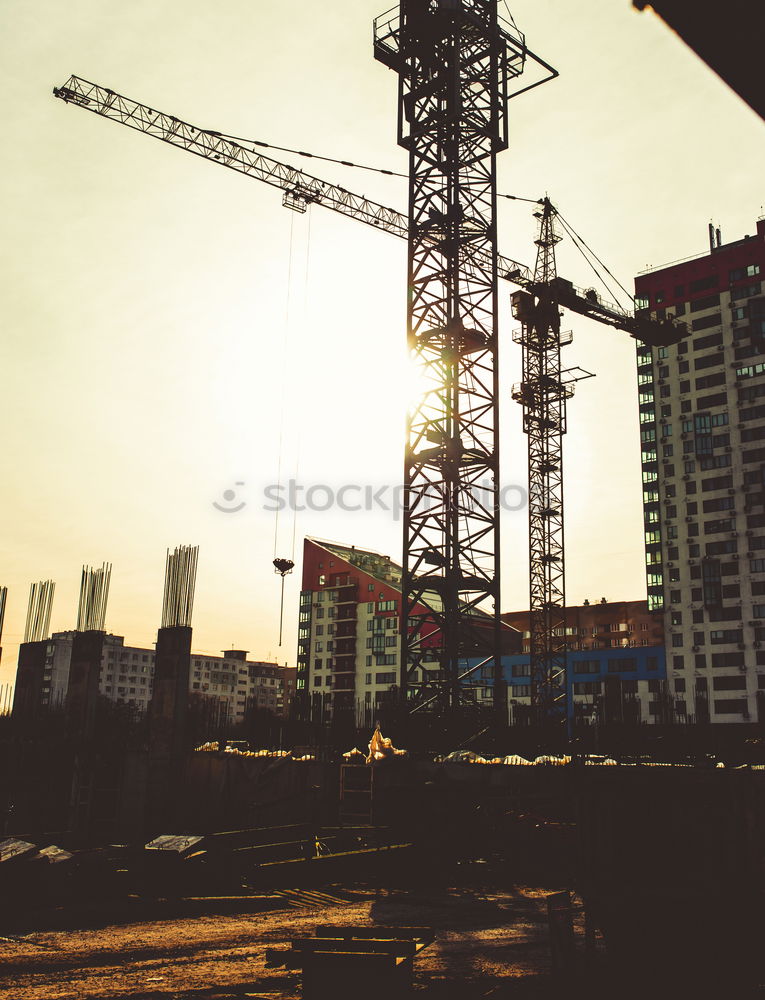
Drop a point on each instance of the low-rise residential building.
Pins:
(127, 672)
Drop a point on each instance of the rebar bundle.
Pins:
(94, 593)
(38, 610)
(3, 599)
(6, 699)
(180, 581)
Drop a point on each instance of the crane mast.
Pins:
(543, 392)
(454, 61)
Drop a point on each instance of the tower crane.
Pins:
(454, 63)
(543, 392)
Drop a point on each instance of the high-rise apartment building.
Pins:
(349, 640)
(702, 432)
(348, 630)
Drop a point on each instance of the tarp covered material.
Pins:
(381, 748)
(11, 849)
(53, 855)
(514, 760)
(214, 747)
(178, 843)
(552, 759)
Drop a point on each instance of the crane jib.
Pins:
(302, 189)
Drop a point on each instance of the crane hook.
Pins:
(282, 567)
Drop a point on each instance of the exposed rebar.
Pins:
(180, 582)
(3, 599)
(94, 593)
(38, 610)
(6, 699)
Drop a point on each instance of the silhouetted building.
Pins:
(127, 674)
(702, 432)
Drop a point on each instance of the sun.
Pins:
(414, 382)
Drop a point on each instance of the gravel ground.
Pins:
(487, 945)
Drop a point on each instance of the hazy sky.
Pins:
(151, 304)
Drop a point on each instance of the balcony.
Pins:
(345, 645)
(345, 683)
(347, 591)
(344, 664)
(346, 612)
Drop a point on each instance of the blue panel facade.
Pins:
(633, 663)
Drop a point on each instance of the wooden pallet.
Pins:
(348, 962)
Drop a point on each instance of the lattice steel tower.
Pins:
(453, 60)
(543, 394)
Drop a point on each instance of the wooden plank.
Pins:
(389, 947)
(378, 933)
(561, 926)
(350, 959)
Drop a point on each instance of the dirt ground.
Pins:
(487, 945)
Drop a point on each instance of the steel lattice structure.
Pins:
(543, 394)
(454, 62)
(299, 188)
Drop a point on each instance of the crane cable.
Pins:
(305, 313)
(281, 565)
(284, 382)
(339, 162)
(577, 240)
(284, 566)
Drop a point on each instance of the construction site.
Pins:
(428, 793)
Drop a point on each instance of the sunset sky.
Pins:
(160, 314)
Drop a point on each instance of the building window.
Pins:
(622, 666)
(744, 272)
(730, 706)
(718, 636)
